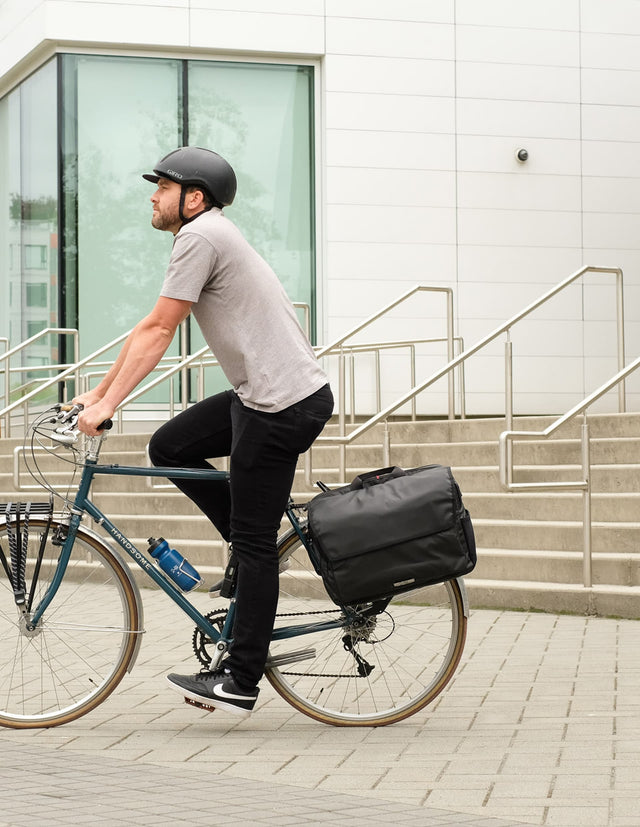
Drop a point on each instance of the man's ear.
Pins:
(194, 199)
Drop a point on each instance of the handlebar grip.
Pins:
(107, 425)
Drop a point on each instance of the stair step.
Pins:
(562, 535)
(603, 600)
(556, 566)
(563, 505)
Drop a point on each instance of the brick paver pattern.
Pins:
(540, 726)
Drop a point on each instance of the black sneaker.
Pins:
(214, 690)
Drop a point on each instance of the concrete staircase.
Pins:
(529, 544)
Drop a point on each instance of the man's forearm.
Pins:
(113, 371)
(140, 354)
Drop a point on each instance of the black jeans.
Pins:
(264, 450)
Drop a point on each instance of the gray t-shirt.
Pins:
(244, 313)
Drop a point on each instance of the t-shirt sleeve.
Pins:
(191, 266)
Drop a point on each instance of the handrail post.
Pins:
(508, 382)
(622, 402)
(414, 406)
(76, 358)
(8, 392)
(587, 577)
(461, 381)
(342, 413)
(7, 397)
(200, 382)
(450, 356)
(386, 445)
(184, 373)
(508, 401)
(352, 387)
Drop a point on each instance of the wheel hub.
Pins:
(27, 628)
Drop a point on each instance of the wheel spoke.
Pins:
(413, 645)
(79, 650)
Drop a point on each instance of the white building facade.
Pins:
(376, 144)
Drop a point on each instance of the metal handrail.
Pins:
(419, 288)
(197, 359)
(343, 439)
(377, 347)
(506, 462)
(73, 369)
(382, 416)
(7, 356)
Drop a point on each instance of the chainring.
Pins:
(201, 640)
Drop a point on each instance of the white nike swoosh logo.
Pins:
(219, 692)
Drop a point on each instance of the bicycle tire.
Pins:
(84, 643)
(413, 646)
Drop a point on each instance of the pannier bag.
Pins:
(391, 531)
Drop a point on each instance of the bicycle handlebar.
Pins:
(71, 415)
(67, 432)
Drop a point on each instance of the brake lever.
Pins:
(68, 412)
(71, 412)
(66, 436)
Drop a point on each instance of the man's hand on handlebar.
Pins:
(86, 400)
(92, 420)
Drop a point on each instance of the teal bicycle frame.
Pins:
(82, 504)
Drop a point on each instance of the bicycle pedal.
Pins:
(199, 705)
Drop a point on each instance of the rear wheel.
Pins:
(384, 661)
(82, 646)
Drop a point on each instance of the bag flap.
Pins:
(420, 502)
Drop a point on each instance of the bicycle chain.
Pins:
(291, 674)
(314, 674)
(299, 614)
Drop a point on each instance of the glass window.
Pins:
(35, 257)
(37, 295)
(259, 117)
(28, 202)
(34, 327)
(10, 250)
(120, 116)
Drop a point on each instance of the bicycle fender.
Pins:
(127, 572)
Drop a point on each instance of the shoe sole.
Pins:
(209, 704)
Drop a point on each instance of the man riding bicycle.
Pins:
(279, 402)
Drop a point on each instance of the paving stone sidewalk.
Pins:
(540, 726)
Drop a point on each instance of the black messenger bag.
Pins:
(391, 531)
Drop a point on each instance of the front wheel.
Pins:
(85, 641)
(380, 664)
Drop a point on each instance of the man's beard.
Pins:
(166, 220)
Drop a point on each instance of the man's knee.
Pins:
(159, 450)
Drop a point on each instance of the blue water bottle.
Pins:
(174, 564)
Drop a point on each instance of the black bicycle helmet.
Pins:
(194, 166)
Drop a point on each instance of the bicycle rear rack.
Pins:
(16, 519)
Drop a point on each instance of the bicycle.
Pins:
(71, 614)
